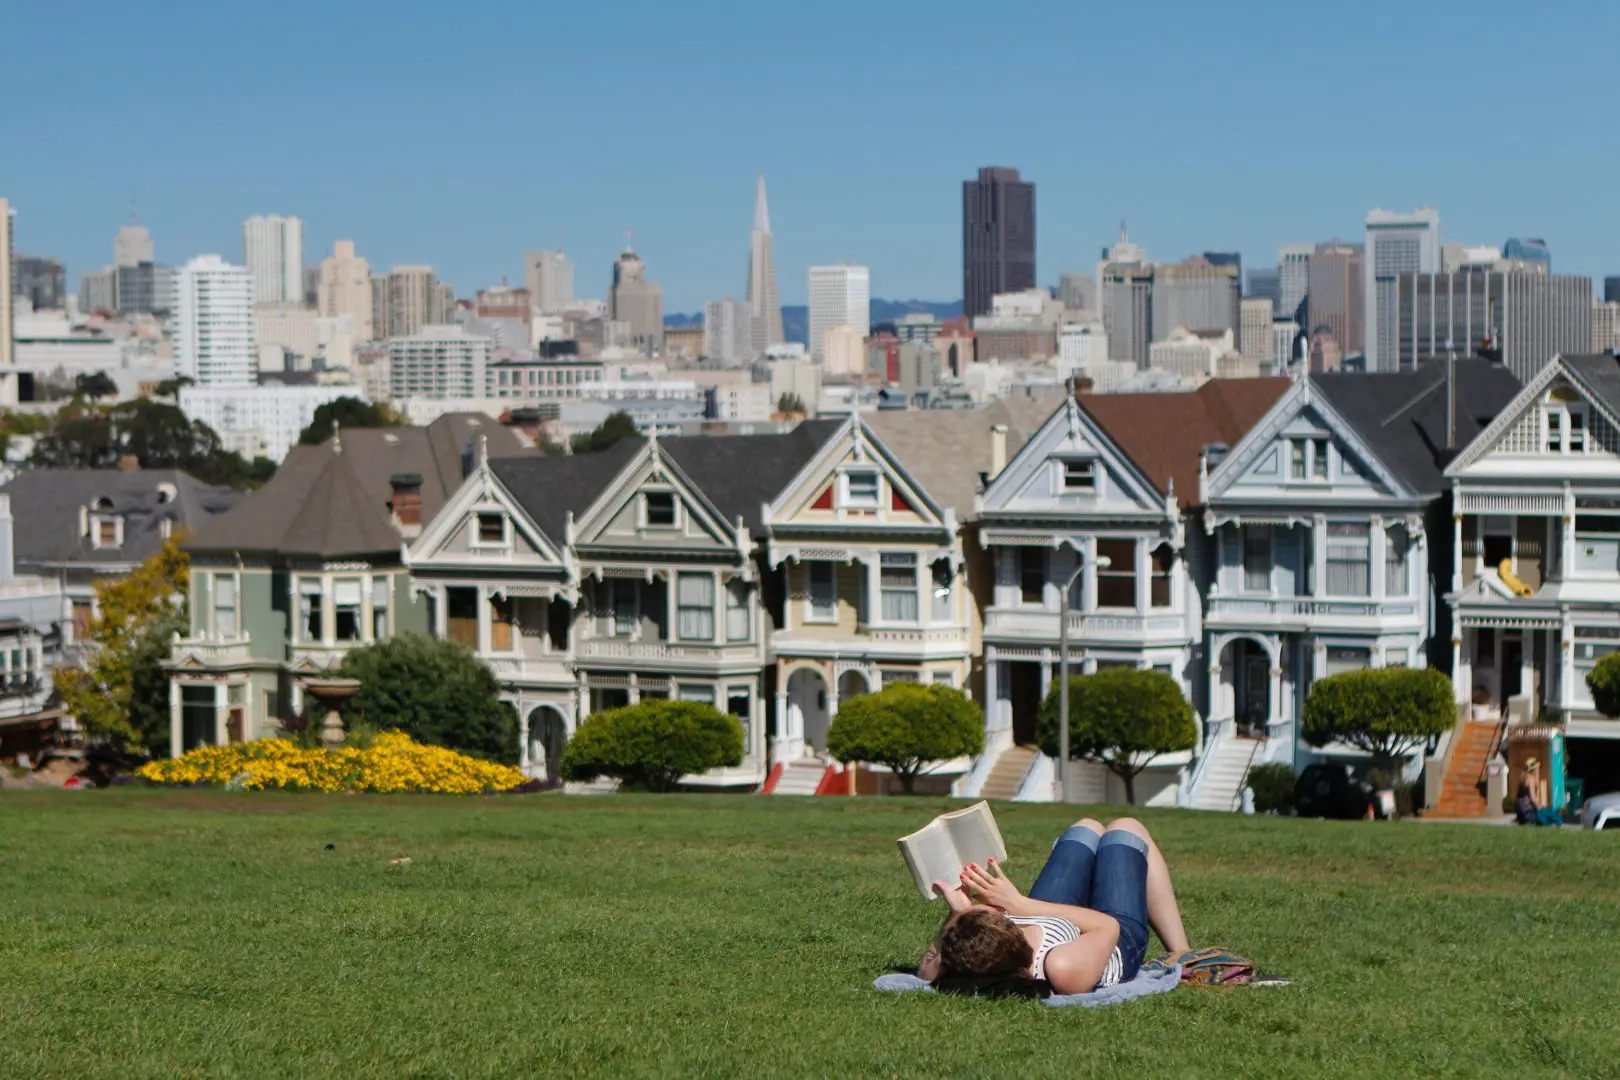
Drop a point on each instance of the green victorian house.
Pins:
(309, 567)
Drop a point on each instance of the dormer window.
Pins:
(106, 528)
(106, 532)
(1308, 459)
(1080, 476)
(491, 527)
(659, 509)
(861, 489)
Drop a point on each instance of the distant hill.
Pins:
(796, 317)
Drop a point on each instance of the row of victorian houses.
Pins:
(1247, 539)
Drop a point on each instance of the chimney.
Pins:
(407, 501)
(998, 449)
(7, 562)
(128, 463)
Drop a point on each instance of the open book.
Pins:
(939, 850)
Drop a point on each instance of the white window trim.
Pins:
(96, 521)
(1557, 414)
(477, 542)
(1308, 464)
(1063, 466)
(214, 607)
(810, 616)
(642, 519)
(847, 502)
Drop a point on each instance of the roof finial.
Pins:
(483, 451)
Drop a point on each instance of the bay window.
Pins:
(1348, 559)
(823, 592)
(1397, 548)
(1257, 558)
(1116, 583)
(694, 602)
(346, 609)
(380, 588)
(897, 580)
(737, 628)
(1032, 575)
(1162, 567)
(226, 622)
(311, 617)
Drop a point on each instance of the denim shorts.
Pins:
(1106, 873)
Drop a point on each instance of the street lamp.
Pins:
(1101, 562)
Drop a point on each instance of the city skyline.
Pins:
(895, 212)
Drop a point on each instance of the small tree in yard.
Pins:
(1120, 718)
(1604, 682)
(436, 692)
(905, 726)
(654, 743)
(1388, 712)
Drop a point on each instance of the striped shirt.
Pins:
(1055, 932)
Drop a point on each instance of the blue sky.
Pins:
(460, 136)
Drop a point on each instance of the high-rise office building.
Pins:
(1126, 298)
(1528, 249)
(549, 276)
(273, 252)
(1530, 315)
(8, 324)
(637, 302)
(1255, 340)
(142, 289)
(998, 237)
(1605, 325)
(1293, 278)
(1611, 290)
(1078, 292)
(212, 323)
(839, 296)
(764, 303)
(1336, 295)
(1264, 283)
(133, 246)
(40, 281)
(728, 331)
(1194, 295)
(345, 289)
(1284, 335)
(1396, 244)
(404, 300)
(98, 290)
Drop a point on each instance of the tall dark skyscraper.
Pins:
(998, 237)
(1611, 289)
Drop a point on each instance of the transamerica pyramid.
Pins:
(764, 303)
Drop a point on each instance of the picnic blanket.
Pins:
(1154, 978)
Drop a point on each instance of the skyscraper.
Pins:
(1337, 300)
(549, 276)
(345, 289)
(764, 303)
(1611, 290)
(839, 296)
(636, 301)
(1293, 278)
(1194, 295)
(998, 237)
(42, 281)
(1078, 292)
(273, 251)
(1529, 314)
(212, 323)
(1264, 283)
(1529, 249)
(728, 331)
(1396, 244)
(404, 300)
(1125, 295)
(1255, 339)
(132, 246)
(8, 375)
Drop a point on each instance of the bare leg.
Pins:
(1164, 914)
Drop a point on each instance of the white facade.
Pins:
(1082, 346)
(843, 351)
(764, 305)
(750, 403)
(289, 327)
(1255, 339)
(839, 296)
(1283, 336)
(549, 276)
(440, 362)
(273, 250)
(1605, 325)
(259, 421)
(212, 323)
(728, 331)
(1293, 277)
(1396, 244)
(1191, 355)
(132, 246)
(345, 289)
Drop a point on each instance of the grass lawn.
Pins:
(151, 933)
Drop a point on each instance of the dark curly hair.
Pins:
(983, 943)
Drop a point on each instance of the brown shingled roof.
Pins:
(1165, 434)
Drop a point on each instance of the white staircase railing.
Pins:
(1213, 733)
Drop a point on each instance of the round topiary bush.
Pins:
(905, 726)
(1604, 682)
(654, 743)
(1388, 712)
(1120, 718)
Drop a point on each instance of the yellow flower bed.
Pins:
(393, 763)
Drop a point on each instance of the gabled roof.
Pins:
(333, 499)
(1401, 416)
(945, 450)
(45, 506)
(1165, 434)
(1599, 375)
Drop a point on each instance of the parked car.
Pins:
(1602, 811)
(1330, 790)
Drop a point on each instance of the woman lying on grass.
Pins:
(1084, 924)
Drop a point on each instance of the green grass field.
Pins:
(148, 933)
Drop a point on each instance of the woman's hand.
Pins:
(991, 886)
(956, 897)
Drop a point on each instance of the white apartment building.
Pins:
(1396, 244)
(741, 403)
(839, 296)
(728, 331)
(260, 421)
(543, 379)
(345, 289)
(211, 323)
(843, 351)
(439, 362)
(1605, 325)
(1190, 354)
(273, 250)
(1082, 347)
(289, 328)
(1255, 339)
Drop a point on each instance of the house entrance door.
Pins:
(1512, 668)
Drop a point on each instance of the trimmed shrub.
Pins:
(905, 726)
(1273, 787)
(1388, 712)
(1604, 682)
(437, 692)
(1120, 718)
(654, 743)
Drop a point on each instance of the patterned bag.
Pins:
(1212, 967)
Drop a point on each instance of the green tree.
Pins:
(906, 726)
(790, 403)
(1388, 712)
(156, 434)
(435, 691)
(346, 413)
(654, 743)
(170, 388)
(95, 385)
(617, 426)
(121, 692)
(1120, 718)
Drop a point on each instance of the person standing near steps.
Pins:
(1084, 923)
